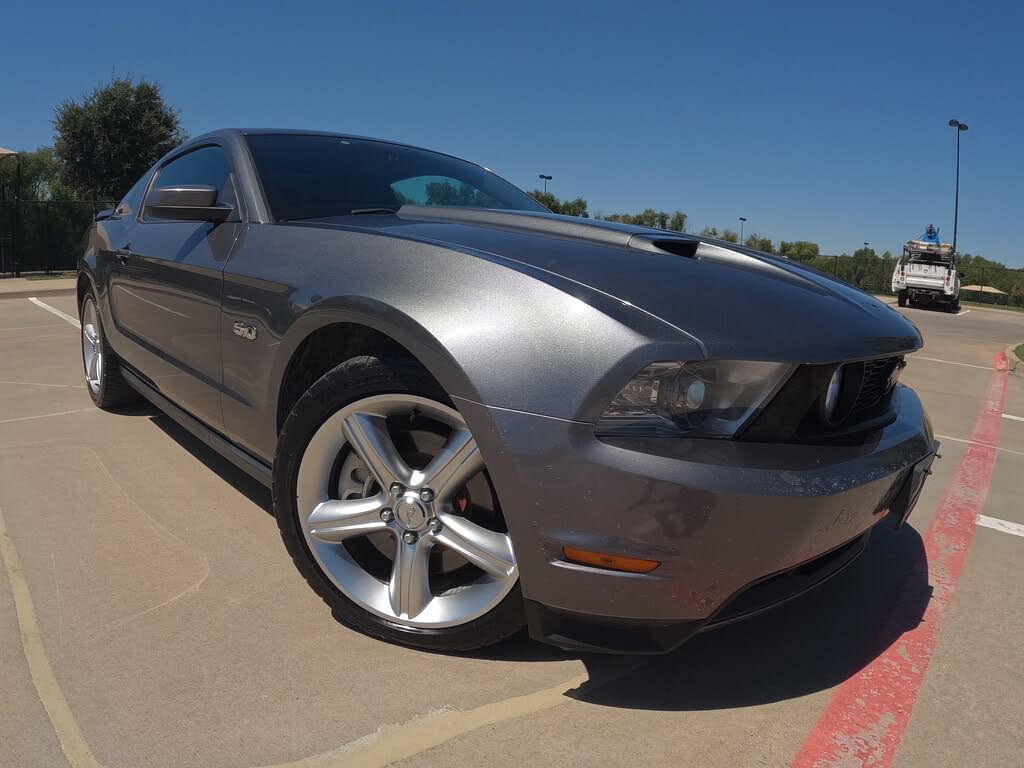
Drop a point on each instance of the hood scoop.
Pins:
(677, 246)
(612, 234)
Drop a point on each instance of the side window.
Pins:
(206, 165)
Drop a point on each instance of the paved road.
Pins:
(149, 615)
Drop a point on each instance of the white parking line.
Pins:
(1005, 526)
(1014, 418)
(975, 442)
(45, 415)
(961, 312)
(30, 327)
(43, 384)
(951, 362)
(57, 312)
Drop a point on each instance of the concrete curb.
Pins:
(24, 293)
(1012, 360)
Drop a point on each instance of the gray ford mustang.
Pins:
(476, 415)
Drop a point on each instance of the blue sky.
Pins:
(819, 121)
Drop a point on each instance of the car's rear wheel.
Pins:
(386, 506)
(102, 367)
(901, 298)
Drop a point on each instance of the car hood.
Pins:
(735, 301)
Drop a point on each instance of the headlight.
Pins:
(712, 398)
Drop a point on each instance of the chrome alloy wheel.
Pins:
(442, 567)
(92, 345)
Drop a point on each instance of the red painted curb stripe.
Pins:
(865, 719)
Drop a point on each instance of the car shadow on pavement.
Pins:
(807, 645)
(248, 486)
(810, 644)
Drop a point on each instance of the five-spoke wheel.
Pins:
(387, 497)
(418, 509)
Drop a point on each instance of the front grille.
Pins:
(795, 413)
(875, 384)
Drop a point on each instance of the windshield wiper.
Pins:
(355, 211)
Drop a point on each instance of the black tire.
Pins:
(113, 390)
(954, 306)
(901, 298)
(353, 380)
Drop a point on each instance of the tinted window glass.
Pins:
(208, 166)
(313, 176)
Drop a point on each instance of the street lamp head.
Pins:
(958, 125)
(743, 218)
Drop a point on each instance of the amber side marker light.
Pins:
(611, 562)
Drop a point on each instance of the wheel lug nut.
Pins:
(409, 537)
(386, 515)
(426, 495)
(396, 489)
(435, 525)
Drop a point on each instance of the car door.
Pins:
(166, 284)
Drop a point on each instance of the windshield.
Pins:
(307, 177)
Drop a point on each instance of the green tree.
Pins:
(40, 176)
(109, 139)
(729, 236)
(759, 243)
(577, 207)
(865, 253)
(709, 232)
(677, 222)
(649, 217)
(801, 250)
(1017, 293)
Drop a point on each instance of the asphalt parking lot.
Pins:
(149, 615)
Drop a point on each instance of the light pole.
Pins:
(960, 128)
(743, 220)
(866, 248)
(546, 179)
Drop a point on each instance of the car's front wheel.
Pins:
(387, 509)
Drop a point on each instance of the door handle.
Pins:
(122, 254)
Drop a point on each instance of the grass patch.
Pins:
(1019, 351)
(986, 305)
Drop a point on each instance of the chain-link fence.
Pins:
(43, 236)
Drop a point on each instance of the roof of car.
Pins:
(305, 132)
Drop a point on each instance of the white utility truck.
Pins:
(927, 274)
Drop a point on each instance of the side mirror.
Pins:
(193, 203)
(103, 215)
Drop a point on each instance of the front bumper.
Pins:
(720, 515)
